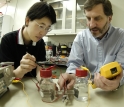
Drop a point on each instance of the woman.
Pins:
(25, 46)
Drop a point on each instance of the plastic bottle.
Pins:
(47, 86)
(50, 51)
(81, 85)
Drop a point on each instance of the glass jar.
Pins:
(81, 85)
(47, 86)
(50, 51)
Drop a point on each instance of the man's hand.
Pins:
(27, 63)
(66, 79)
(106, 84)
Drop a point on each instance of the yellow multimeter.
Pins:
(109, 71)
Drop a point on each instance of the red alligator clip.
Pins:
(51, 67)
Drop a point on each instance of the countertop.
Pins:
(15, 97)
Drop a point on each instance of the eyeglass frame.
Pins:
(43, 28)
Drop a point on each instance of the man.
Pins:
(94, 47)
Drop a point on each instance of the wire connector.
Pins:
(65, 98)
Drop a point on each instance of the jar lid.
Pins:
(45, 73)
(81, 72)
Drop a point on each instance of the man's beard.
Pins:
(101, 31)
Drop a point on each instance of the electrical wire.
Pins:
(26, 94)
(65, 88)
(18, 81)
(88, 84)
(36, 82)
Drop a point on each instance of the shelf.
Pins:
(81, 5)
(60, 34)
(59, 8)
(68, 18)
(78, 18)
(59, 19)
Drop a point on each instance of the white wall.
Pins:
(18, 8)
(118, 13)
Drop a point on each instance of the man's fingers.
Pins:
(70, 84)
(99, 80)
(61, 81)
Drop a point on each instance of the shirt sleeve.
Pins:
(76, 55)
(122, 79)
(6, 50)
(120, 54)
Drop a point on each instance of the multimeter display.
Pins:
(1, 75)
(113, 70)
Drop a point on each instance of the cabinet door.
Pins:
(80, 16)
(1, 19)
(63, 10)
(70, 16)
(58, 7)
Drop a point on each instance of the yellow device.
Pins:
(109, 71)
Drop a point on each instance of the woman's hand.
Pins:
(27, 63)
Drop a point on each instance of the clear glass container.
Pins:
(81, 85)
(47, 86)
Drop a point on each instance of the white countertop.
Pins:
(15, 97)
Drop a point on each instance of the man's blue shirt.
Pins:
(94, 53)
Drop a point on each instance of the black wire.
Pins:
(34, 77)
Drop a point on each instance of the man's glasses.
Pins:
(43, 28)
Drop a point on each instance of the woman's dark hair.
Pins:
(107, 7)
(40, 10)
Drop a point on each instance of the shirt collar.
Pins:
(108, 32)
(20, 39)
(110, 29)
